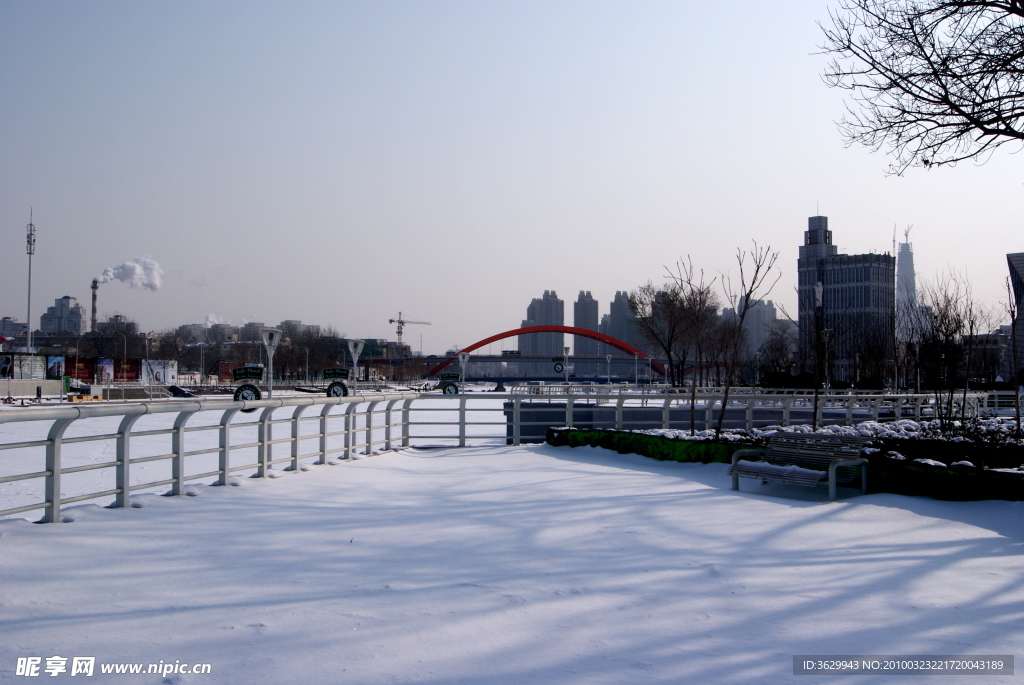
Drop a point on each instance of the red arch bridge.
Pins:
(583, 332)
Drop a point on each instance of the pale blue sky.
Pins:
(338, 162)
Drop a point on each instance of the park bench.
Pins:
(804, 459)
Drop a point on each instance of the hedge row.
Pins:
(902, 477)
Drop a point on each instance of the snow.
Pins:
(787, 470)
(930, 462)
(510, 565)
(901, 429)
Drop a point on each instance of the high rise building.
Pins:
(547, 310)
(584, 315)
(906, 289)
(1016, 263)
(847, 305)
(65, 316)
(620, 322)
(757, 324)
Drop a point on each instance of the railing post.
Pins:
(296, 428)
(709, 408)
(387, 425)
(750, 414)
(849, 410)
(917, 408)
(323, 432)
(350, 423)
(462, 422)
(569, 408)
(618, 412)
(124, 459)
(369, 427)
(52, 486)
(405, 422)
(874, 409)
(666, 416)
(786, 404)
(178, 450)
(264, 434)
(517, 430)
(225, 446)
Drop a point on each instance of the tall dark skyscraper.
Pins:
(584, 315)
(547, 310)
(1016, 263)
(857, 304)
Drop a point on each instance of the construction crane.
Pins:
(401, 325)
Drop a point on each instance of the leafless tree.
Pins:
(700, 307)
(756, 281)
(779, 347)
(657, 312)
(933, 81)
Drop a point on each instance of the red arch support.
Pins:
(614, 342)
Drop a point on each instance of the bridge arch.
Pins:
(594, 335)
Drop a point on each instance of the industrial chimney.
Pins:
(95, 287)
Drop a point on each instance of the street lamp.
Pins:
(271, 339)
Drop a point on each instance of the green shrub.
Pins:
(885, 474)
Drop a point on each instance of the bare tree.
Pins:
(934, 81)
(756, 282)
(700, 307)
(657, 312)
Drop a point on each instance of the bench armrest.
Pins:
(836, 463)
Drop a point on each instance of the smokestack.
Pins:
(95, 287)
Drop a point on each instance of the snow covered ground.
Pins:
(511, 565)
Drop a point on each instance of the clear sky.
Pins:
(339, 162)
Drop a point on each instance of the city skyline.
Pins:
(303, 149)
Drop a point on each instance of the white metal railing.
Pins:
(34, 442)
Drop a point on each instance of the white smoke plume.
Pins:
(141, 272)
(212, 319)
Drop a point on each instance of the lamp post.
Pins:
(30, 248)
(609, 358)
(271, 339)
(566, 365)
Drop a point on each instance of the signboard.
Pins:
(247, 373)
(335, 374)
(80, 368)
(104, 370)
(159, 371)
(54, 368)
(449, 376)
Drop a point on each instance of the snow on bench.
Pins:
(804, 459)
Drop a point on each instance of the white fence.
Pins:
(54, 456)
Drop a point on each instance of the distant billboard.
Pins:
(55, 368)
(159, 371)
(104, 370)
(80, 368)
(126, 370)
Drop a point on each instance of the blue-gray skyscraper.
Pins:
(853, 322)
